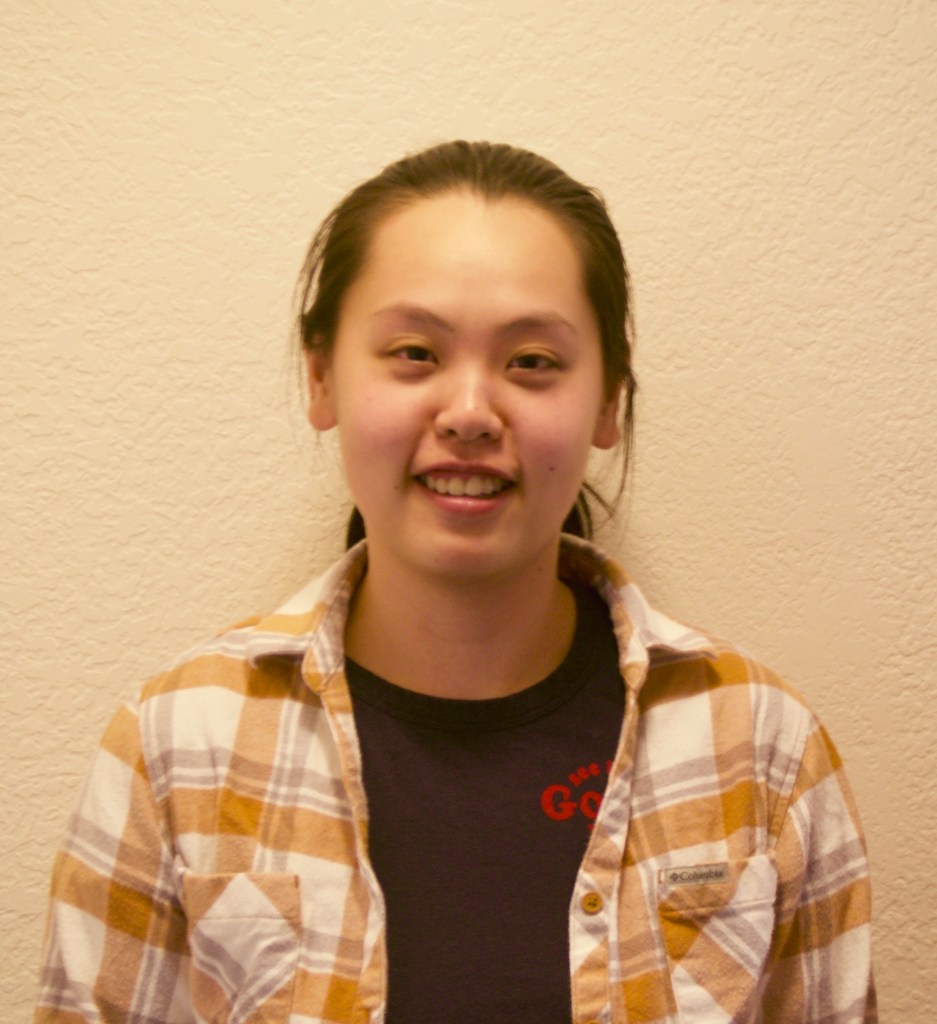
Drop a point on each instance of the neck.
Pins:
(471, 641)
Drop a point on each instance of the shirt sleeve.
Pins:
(115, 941)
(822, 963)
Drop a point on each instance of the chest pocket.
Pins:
(717, 922)
(243, 935)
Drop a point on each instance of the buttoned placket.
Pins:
(595, 898)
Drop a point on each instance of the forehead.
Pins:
(460, 210)
(462, 243)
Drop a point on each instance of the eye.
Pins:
(413, 353)
(534, 361)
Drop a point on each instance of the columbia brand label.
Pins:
(700, 874)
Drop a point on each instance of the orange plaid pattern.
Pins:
(216, 868)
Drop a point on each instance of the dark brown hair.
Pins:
(493, 171)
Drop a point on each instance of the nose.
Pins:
(467, 410)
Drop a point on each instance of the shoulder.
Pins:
(738, 703)
(696, 691)
(249, 672)
(720, 672)
(221, 663)
(726, 728)
(258, 657)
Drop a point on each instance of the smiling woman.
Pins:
(461, 379)
(341, 246)
(469, 774)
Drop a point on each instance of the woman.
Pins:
(469, 774)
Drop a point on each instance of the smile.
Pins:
(461, 486)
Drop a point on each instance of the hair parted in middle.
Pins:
(493, 171)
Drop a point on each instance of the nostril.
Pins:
(469, 424)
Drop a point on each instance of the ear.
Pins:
(607, 432)
(321, 409)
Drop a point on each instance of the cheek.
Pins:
(561, 447)
(375, 433)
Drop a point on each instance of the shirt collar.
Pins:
(642, 631)
(313, 620)
(314, 617)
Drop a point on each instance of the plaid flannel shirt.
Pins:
(217, 867)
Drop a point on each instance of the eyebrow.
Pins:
(416, 315)
(421, 317)
(539, 321)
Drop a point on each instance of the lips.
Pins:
(469, 485)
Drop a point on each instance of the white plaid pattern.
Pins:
(217, 869)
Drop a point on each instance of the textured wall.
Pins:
(771, 168)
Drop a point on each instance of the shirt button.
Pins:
(592, 903)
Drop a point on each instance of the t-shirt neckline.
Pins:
(491, 714)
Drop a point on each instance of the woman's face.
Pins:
(466, 382)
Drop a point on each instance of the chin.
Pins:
(466, 560)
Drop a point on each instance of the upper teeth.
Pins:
(473, 486)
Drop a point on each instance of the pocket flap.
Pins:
(700, 888)
(246, 895)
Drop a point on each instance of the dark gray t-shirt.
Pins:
(480, 812)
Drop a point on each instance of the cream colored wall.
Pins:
(771, 169)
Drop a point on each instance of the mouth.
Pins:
(474, 485)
